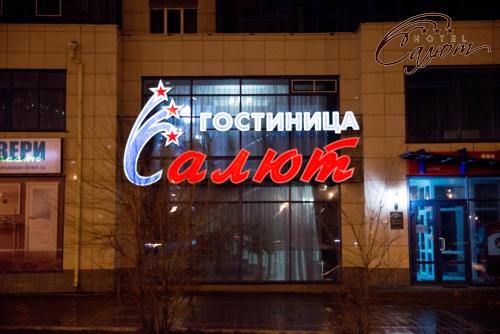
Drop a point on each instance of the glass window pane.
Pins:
(264, 104)
(265, 192)
(190, 21)
(53, 80)
(217, 256)
(265, 241)
(319, 192)
(216, 104)
(307, 141)
(448, 188)
(257, 143)
(315, 241)
(48, 7)
(211, 192)
(303, 86)
(216, 86)
(29, 238)
(216, 143)
(324, 86)
(25, 110)
(5, 79)
(174, 21)
(312, 103)
(4, 120)
(264, 86)
(156, 21)
(484, 188)
(485, 240)
(25, 79)
(52, 113)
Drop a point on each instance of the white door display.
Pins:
(41, 219)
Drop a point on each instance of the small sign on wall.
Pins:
(30, 156)
(396, 220)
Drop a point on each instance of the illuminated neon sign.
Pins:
(280, 168)
(30, 155)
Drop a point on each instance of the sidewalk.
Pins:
(269, 313)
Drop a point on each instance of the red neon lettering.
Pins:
(273, 166)
(325, 163)
(234, 171)
(192, 172)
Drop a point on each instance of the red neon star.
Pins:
(160, 90)
(172, 137)
(172, 109)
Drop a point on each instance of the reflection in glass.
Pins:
(216, 86)
(265, 241)
(216, 104)
(314, 242)
(218, 249)
(484, 227)
(246, 229)
(442, 188)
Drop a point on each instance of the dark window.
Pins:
(190, 21)
(156, 21)
(251, 232)
(453, 104)
(32, 100)
(48, 7)
(173, 20)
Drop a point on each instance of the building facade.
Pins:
(428, 145)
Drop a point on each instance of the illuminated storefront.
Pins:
(256, 231)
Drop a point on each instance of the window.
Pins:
(48, 7)
(324, 86)
(173, 20)
(32, 100)
(251, 232)
(31, 224)
(453, 104)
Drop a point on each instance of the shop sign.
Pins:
(428, 36)
(30, 155)
(323, 163)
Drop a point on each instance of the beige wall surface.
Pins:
(46, 47)
(383, 107)
(115, 62)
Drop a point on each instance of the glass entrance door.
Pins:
(451, 252)
(439, 241)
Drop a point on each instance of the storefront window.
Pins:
(253, 232)
(437, 188)
(484, 220)
(452, 217)
(31, 224)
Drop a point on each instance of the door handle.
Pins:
(443, 243)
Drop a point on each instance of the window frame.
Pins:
(293, 202)
(9, 93)
(50, 15)
(165, 20)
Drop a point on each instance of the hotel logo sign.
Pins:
(428, 36)
(323, 163)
